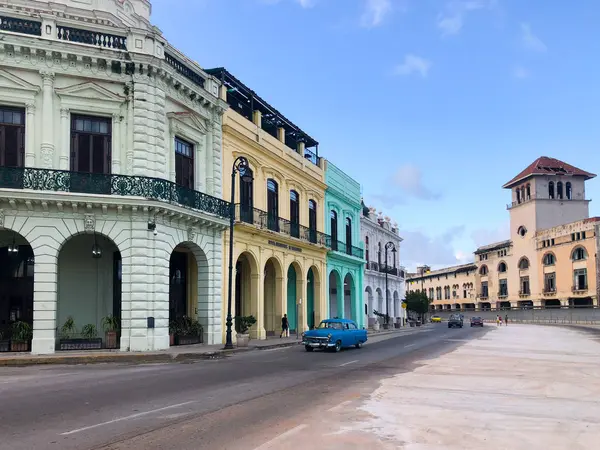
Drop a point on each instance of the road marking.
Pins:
(121, 419)
(340, 406)
(409, 345)
(349, 362)
(275, 440)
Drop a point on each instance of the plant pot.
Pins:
(376, 326)
(111, 339)
(5, 346)
(80, 344)
(396, 325)
(386, 326)
(243, 340)
(19, 346)
(188, 339)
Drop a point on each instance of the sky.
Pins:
(431, 105)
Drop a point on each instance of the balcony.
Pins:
(31, 27)
(108, 184)
(265, 221)
(502, 294)
(579, 289)
(338, 246)
(483, 297)
(104, 40)
(383, 268)
(524, 293)
(184, 70)
(548, 291)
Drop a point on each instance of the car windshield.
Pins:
(334, 325)
(476, 318)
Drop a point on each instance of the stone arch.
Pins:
(349, 285)
(272, 289)
(246, 288)
(397, 307)
(89, 283)
(295, 283)
(369, 304)
(336, 294)
(380, 301)
(579, 253)
(549, 259)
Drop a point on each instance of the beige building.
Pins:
(550, 259)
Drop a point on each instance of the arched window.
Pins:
(272, 205)
(523, 193)
(334, 229)
(348, 235)
(294, 214)
(483, 270)
(312, 221)
(524, 264)
(522, 231)
(502, 267)
(579, 254)
(549, 259)
(528, 191)
(559, 190)
(568, 190)
(551, 189)
(518, 191)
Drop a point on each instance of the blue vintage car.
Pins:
(334, 334)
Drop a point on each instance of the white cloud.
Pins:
(453, 19)
(521, 73)
(413, 64)
(418, 248)
(375, 12)
(406, 182)
(530, 40)
(307, 3)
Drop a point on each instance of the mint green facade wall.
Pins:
(345, 263)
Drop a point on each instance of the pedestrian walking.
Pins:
(497, 321)
(285, 327)
(506, 320)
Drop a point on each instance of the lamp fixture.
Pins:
(96, 249)
(13, 248)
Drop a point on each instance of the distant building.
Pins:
(550, 259)
(377, 233)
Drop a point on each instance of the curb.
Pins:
(131, 358)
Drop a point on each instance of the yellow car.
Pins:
(436, 319)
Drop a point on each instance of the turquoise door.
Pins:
(291, 298)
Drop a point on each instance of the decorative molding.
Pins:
(13, 82)
(89, 223)
(191, 234)
(2, 218)
(47, 151)
(89, 91)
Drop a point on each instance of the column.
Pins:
(130, 136)
(65, 143)
(257, 307)
(302, 307)
(47, 147)
(45, 304)
(116, 136)
(30, 135)
(171, 155)
(209, 183)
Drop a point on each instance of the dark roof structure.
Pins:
(245, 101)
(493, 247)
(548, 166)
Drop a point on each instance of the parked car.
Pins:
(455, 321)
(476, 322)
(436, 319)
(334, 334)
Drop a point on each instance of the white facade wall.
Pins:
(373, 233)
(149, 103)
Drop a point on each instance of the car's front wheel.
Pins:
(338, 346)
(308, 348)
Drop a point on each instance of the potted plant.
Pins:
(4, 341)
(189, 331)
(172, 332)
(88, 341)
(242, 325)
(111, 327)
(380, 316)
(21, 334)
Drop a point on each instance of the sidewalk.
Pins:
(173, 354)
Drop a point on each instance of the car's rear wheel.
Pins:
(308, 348)
(358, 344)
(338, 346)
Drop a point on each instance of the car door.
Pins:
(354, 333)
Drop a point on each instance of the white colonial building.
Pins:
(382, 252)
(110, 177)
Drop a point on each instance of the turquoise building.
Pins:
(345, 260)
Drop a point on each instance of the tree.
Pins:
(418, 302)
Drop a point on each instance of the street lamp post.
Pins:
(239, 165)
(389, 246)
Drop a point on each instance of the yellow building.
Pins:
(279, 246)
(550, 261)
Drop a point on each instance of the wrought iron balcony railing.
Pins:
(107, 184)
(390, 270)
(263, 220)
(339, 246)
(579, 288)
(22, 26)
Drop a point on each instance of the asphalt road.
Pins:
(239, 402)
